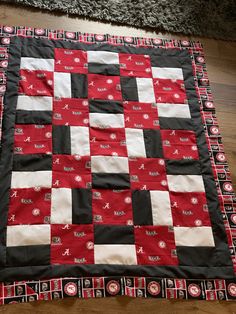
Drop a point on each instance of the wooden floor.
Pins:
(221, 64)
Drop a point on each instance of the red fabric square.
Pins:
(148, 174)
(169, 91)
(189, 209)
(155, 245)
(104, 87)
(29, 206)
(32, 139)
(72, 244)
(179, 144)
(70, 111)
(68, 60)
(112, 207)
(141, 115)
(108, 142)
(71, 171)
(135, 65)
(36, 83)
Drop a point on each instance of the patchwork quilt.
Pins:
(113, 176)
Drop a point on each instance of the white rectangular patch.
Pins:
(22, 235)
(104, 120)
(62, 85)
(109, 164)
(23, 179)
(27, 63)
(145, 90)
(173, 110)
(185, 183)
(167, 73)
(104, 57)
(31, 103)
(193, 236)
(116, 254)
(79, 136)
(61, 208)
(135, 143)
(161, 209)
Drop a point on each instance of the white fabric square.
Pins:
(135, 142)
(61, 206)
(193, 236)
(62, 85)
(105, 120)
(31, 103)
(24, 179)
(22, 235)
(79, 137)
(117, 254)
(185, 183)
(173, 110)
(27, 63)
(167, 73)
(109, 164)
(161, 209)
(145, 90)
(104, 57)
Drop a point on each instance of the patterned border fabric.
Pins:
(117, 74)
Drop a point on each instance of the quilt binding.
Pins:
(215, 289)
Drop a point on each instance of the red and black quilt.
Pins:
(107, 185)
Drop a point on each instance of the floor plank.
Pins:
(221, 63)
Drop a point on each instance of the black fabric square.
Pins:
(32, 255)
(34, 162)
(165, 62)
(61, 139)
(108, 234)
(142, 208)
(175, 123)
(110, 180)
(153, 143)
(79, 85)
(105, 106)
(33, 117)
(183, 167)
(105, 69)
(81, 206)
(2, 255)
(33, 51)
(129, 88)
(202, 256)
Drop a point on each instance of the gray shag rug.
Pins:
(208, 18)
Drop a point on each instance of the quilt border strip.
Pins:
(167, 288)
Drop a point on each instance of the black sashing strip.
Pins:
(35, 272)
(206, 169)
(8, 124)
